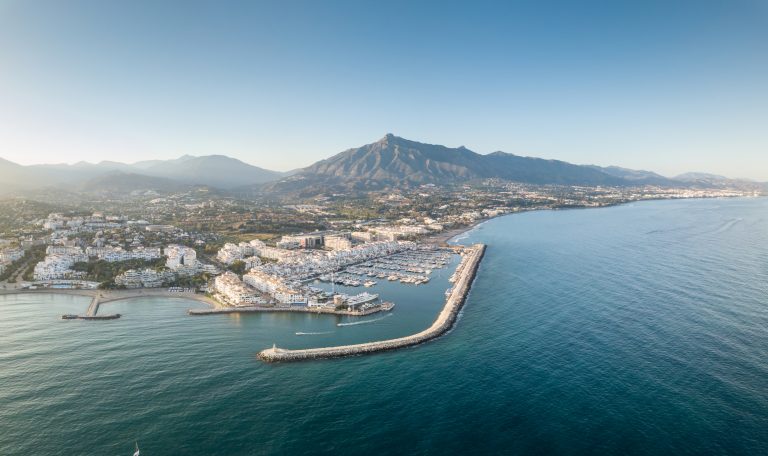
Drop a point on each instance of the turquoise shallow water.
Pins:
(638, 329)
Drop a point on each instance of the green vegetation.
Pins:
(13, 267)
(104, 271)
(238, 267)
(195, 281)
(34, 256)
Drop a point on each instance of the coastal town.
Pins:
(267, 255)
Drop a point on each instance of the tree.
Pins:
(238, 267)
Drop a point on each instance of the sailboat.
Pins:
(137, 449)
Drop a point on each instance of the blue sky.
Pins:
(670, 86)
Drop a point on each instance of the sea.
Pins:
(634, 329)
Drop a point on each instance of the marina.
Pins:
(465, 274)
(410, 267)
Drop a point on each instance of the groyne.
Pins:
(466, 272)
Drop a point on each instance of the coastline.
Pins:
(446, 236)
(215, 307)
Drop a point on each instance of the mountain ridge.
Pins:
(218, 171)
(390, 162)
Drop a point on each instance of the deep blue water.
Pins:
(637, 329)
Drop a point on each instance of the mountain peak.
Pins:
(387, 138)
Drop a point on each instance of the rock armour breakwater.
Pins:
(466, 272)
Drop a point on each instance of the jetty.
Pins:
(465, 274)
(99, 297)
(92, 312)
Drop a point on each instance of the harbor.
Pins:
(464, 276)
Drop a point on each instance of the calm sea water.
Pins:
(639, 329)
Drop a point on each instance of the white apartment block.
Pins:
(147, 278)
(181, 259)
(338, 242)
(251, 262)
(395, 232)
(363, 236)
(233, 252)
(275, 287)
(63, 250)
(276, 253)
(112, 254)
(58, 266)
(232, 290)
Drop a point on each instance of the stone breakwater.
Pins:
(445, 320)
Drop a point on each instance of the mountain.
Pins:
(638, 177)
(213, 170)
(394, 161)
(700, 177)
(391, 162)
(121, 182)
(12, 176)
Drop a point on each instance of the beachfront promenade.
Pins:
(444, 322)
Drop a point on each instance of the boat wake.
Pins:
(727, 225)
(373, 320)
(313, 333)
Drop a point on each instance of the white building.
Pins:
(276, 253)
(234, 292)
(113, 254)
(338, 242)
(58, 266)
(395, 232)
(233, 252)
(63, 250)
(147, 278)
(181, 259)
(251, 262)
(363, 236)
(275, 287)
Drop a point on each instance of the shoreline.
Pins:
(215, 307)
(444, 322)
(445, 237)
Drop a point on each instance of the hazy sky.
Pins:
(667, 85)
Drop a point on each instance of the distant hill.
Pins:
(214, 170)
(638, 177)
(119, 181)
(12, 176)
(700, 177)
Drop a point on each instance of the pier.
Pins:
(465, 274)
(99, 297)
(92, 312)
